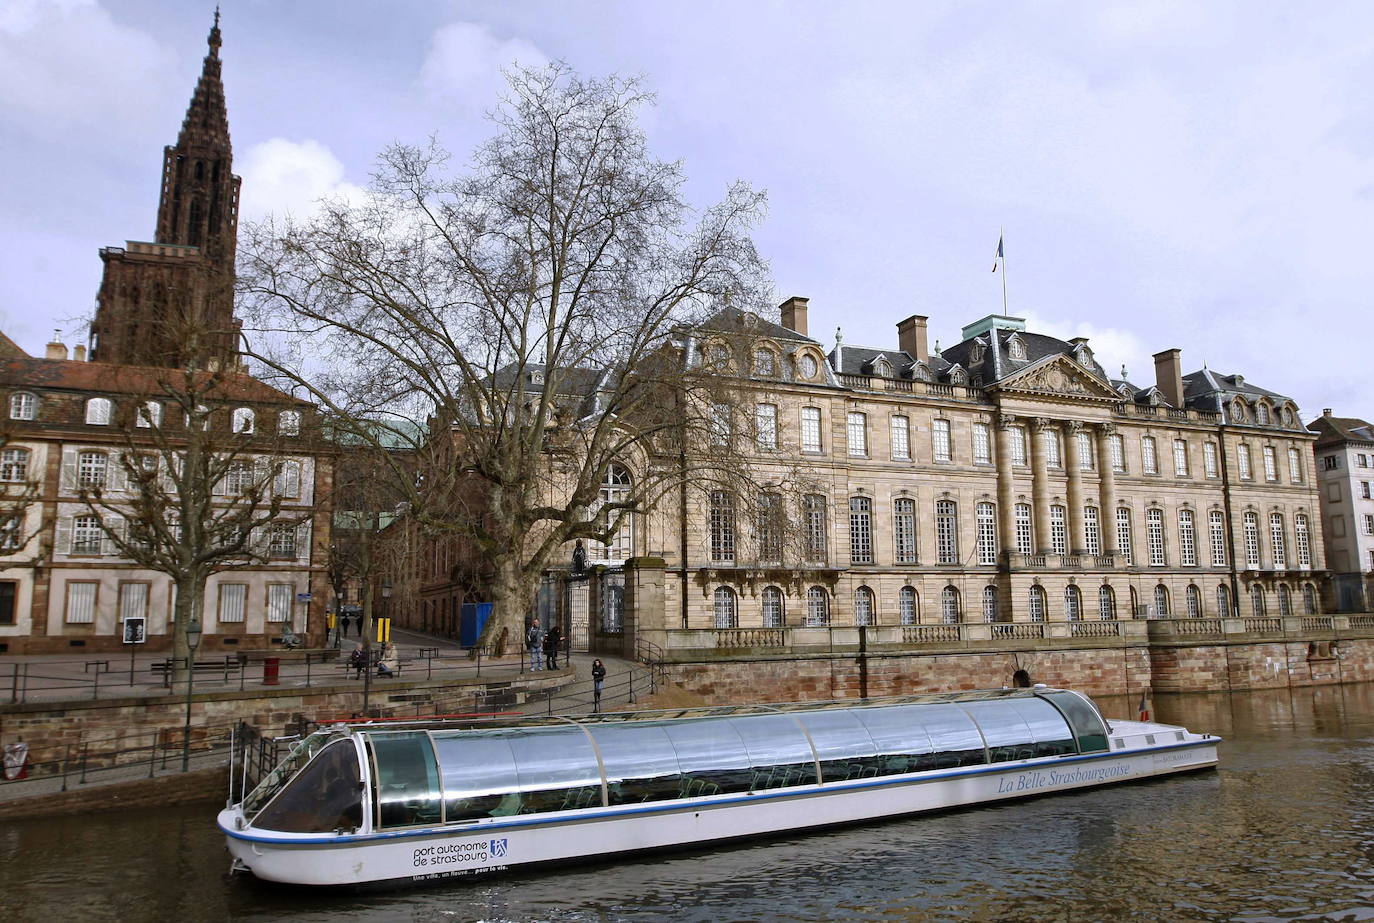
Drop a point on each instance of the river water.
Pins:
(1281, 832)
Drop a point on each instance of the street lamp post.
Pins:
(193, 630)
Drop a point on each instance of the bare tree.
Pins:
(537, 310)
(199, 484)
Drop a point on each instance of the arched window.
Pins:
(863, 606)
(774, 615)
(615, 488)
(22, 406)
(1285, 600)
(906, 605)
(1194, 602)
(242, 421)
(1309, 599)
(1073, 603)
(1016, 349)
(613, 608)
(1161, 601)
(765, 362)
(98, 411)
(1237, 411)
(1037, 603)
(989, 603)
(14, 465)
(949, 606)
(860, 530)
(817, 608)
(287, 482)
(1135, 604)
(1257, 600)
(1262, 413)
(289, 422)
(1106, 603)
(726, 615)
(958, 377)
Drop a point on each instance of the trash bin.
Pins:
(271, 670)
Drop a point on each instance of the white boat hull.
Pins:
(494, 845)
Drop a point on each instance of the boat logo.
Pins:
(498, 849)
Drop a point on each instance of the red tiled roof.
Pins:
(128, 379)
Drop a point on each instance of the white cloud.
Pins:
(282, 176)
(465, 63)
(66, 65)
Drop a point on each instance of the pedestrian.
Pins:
(598, 679)
(390, 662)
(534, 643)
(551, 641)
(358, 660)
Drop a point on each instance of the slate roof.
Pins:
(102, 378)
(1333, 430)
(732, 320)
(858, 360)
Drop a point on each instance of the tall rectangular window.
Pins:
(939, 432)
(232, 597)
(722, 526)
(986, 515)
(770, 528)
(946, 532)
(901, 438)
(1271, 464)
(813, 514)
(1209, 459)
(1302, 540)
(904, 529)
(87, 535)
(1187, 539)
(721, 427)
(1118, 449)
(811, 429)
(1018, 446)
(1243, 461)
(281, 541)
(1084, 441)
(1216, 527)
(766, 427)
(8, 589)
(279, 598)
(1124, 540)
(90, 469)
(1092, 531)
(1250, 528)
(982, 444)
(81, 602)
(1294, 465)
(858, 435)
(1278, 544)
(1059, 530)
(1154, 535)
(1149, 458)
(133, 600)
(1049, 442)
(860, 530)
(1024, 539)
(1181, 458)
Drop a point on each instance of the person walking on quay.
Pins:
(598, 679)
(551, 641)
(534, 643)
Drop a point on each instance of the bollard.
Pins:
(271, 671)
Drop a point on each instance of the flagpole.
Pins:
(1002, 245)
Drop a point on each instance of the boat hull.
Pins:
(497, 845)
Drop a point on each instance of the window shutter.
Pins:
(68, 478)
(62, 541)
(118, 526)
(303, 542)
(307, 467)
(118, 475)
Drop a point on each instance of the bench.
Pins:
(348, 667)
(165, 668)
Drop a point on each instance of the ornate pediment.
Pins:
(1060, 376)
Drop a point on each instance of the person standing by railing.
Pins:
(598, 680)
(534, 643)
(551, 642)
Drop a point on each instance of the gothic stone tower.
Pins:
(170, 302)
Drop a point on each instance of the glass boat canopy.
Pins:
(428, 773)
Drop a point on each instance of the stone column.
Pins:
(1006, 522)
(1107, 489)
(1040, 487)
(1074, 469)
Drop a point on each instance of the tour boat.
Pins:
(414, 801)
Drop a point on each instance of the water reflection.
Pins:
(1282, 831)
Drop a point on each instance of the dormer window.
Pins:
(881, 368)
(717, 357)
(98, 410)
(1262, 414)
(149, 415)
(920, 371)
(807, 366)
(765, 363)
(1237, 411)
(976, 354)
(1125, 389)
(22, 406)
(537, 377)
(1287, 414)
(1084, 356)
(289, 422)
(958, 377)
(1016, 348)
(243, 420)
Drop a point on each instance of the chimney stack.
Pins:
(56, 350)
(794, 314)
(1169, 376)
(911, 337)
(1326, 411)
(79, 353)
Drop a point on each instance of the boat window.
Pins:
(641, 764)
(557, 769)
(285, 771)
(1050, 733)
(1007, 735)
(778, 748)
(843, 744)
(479, 774)
(407, 781)
(712, 755)
(1087, 724)
(953, 738)
(326, 795)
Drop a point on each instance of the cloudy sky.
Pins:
(1198, 175)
